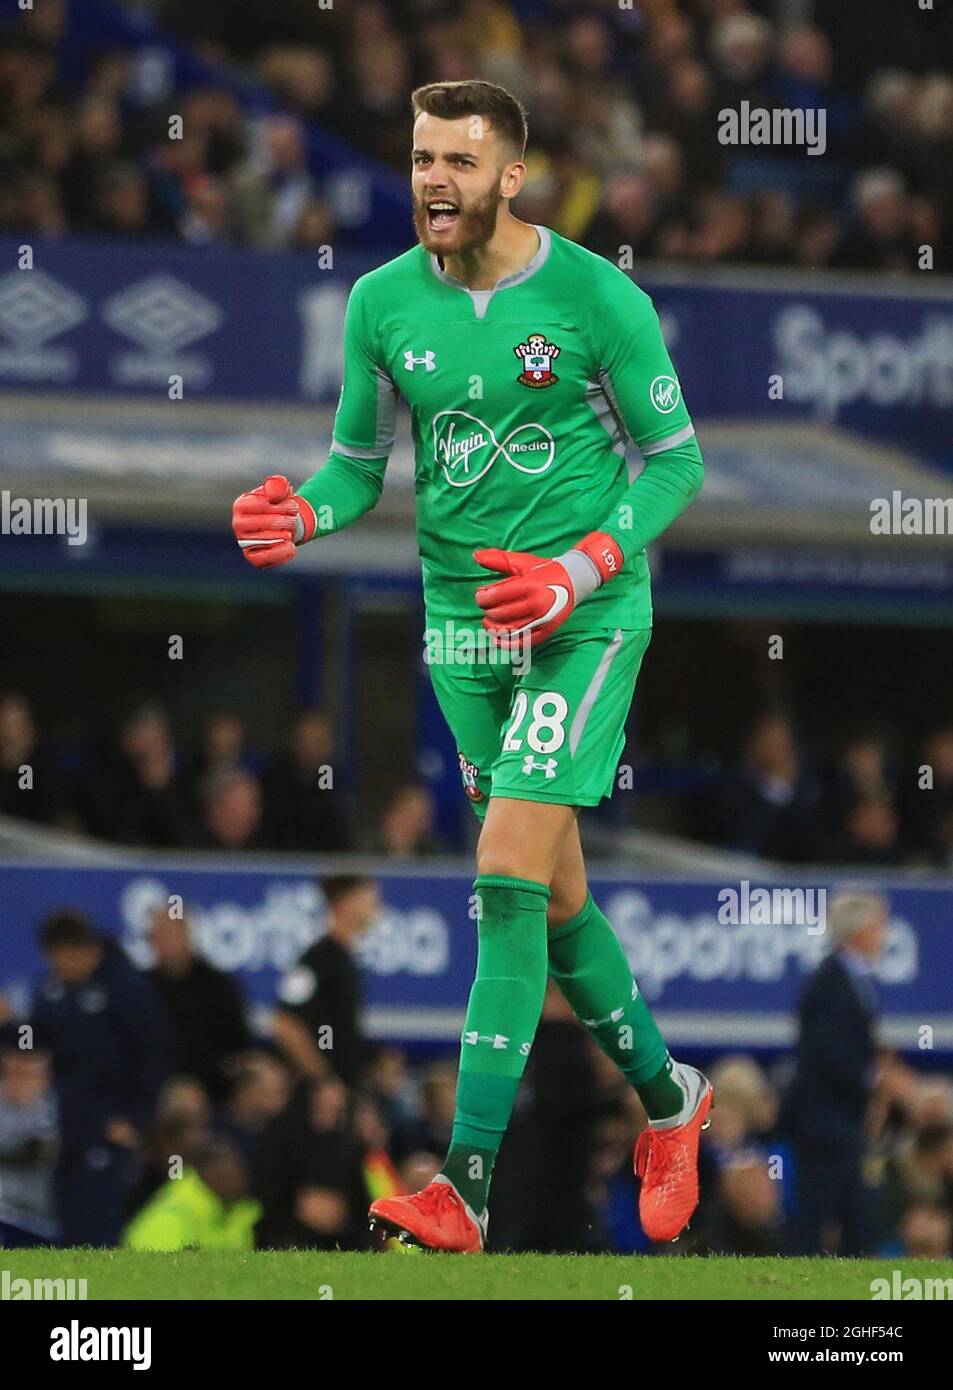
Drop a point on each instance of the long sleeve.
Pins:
(350, 482)
(639, 380)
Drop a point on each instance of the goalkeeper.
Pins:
(527, 363)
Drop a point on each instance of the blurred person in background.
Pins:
(543, 1197)
(108, 1040)
(134, 795)
(871, 833)
(745, 1216)
(927, 808)
(407, 825)
(768, 806)
(317, 1023)
(272, 188)
(879, 237)
(121, 204)
(207, 1207)
(182, 1123)
(828, 1105)
(232, 816)
(204, 1005)
(302, 809)
(29, 1143)
(97, 146)
(388, 1083)
(927, 1232)
(259, 1092)
(428, 1131)
(920, 1172)
(309, 1174)
(30, 787)
(222, 749)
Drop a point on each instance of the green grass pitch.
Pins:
(415, 1276)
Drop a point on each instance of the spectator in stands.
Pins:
(308, 1174)
(30, 787)
(108, 1039)
(304, 78)
(232, 812)
(407, 825)
(222, 749)
(830, 1096)
(29, 1141)
(182, 1123)
(542, 1188)
(871, 833)
(428, 1130)
(745, 1217)
(919, 1172)
(317, 1024)
(302, 808)
(97, 147)
(271, 190)
(928, 802)
(134, 795)
(880, 238)
(741, 49)
(204, 1005)
(206, 1207)
(773, 228)
(927, 1232)
(768, 806)
(388, 1084)
(688, 111)
(626, 220)
(259, 1092)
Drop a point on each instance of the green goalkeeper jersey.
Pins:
(522, 400)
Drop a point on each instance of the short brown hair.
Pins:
(450, 100)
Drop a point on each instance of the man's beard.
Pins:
(475, 226)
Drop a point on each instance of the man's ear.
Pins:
(513, 178)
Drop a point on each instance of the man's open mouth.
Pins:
(442, 215)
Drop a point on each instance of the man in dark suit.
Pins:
(834, 1080)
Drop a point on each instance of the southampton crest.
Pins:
(537, 357)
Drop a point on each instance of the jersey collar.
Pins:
(481, 298)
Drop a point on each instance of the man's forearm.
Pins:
(660, 493)
(342, 491)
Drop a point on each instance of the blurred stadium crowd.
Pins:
(624, 104)
(146, 1113)
(137, 786)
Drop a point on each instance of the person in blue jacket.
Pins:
(108, 1038)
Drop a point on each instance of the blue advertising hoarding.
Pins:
(245, 325)
(711, 983)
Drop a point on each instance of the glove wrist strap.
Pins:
(583, 574)
(306, 523)
(591, 562)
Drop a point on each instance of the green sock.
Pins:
(505, 1004)
(589, 965)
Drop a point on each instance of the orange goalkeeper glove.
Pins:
(270, 521)
(540, 594)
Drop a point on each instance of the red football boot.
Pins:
(437, 1218)
(667, 1162)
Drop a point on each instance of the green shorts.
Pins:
(552, 732)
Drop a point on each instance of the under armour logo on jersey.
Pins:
(548, 768)
(429, 360)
